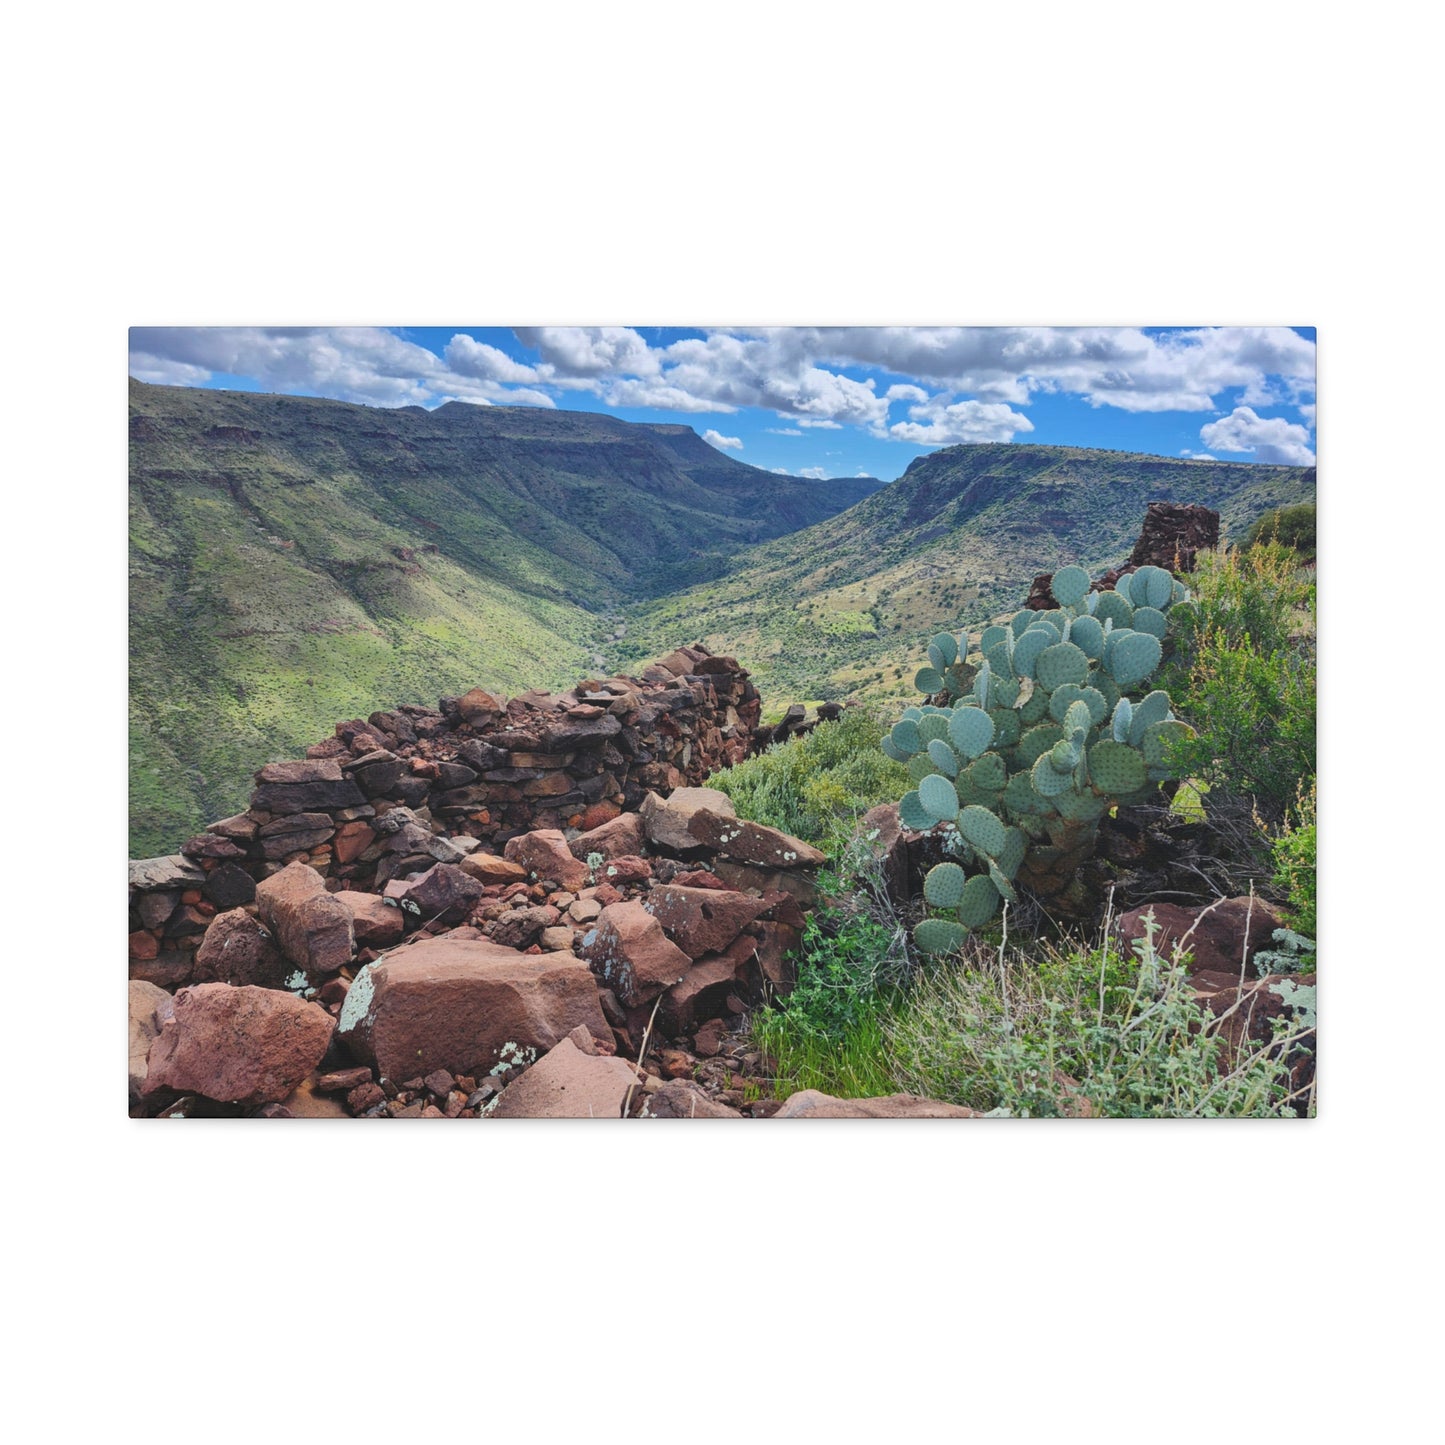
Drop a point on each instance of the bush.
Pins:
(1294, 858)
(1120, 1031)
(1292, 526)
(816, 786)
(1244, 675)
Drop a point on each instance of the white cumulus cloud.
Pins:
(939, 422)
(717, 439)
(1271, 439)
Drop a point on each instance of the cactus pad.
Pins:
(1123, 717)
(1064, 755)
(1087, 633)
(1047, 780)
(1000, 880)
(1028, 648)
(946, 643)
(1116, 768)
(938, 661)
(971, 730)
(939, 797)
(928, 679)
(979, 902)
(912, 814)
(933, 725)
(943, 887)
(988, 773)
(983, 830)
(1035, 707)
(919, 766)
(1148, 711)
(1006, 727)
(1082, 807)
(1020, 798)
(1125, 588)
(1133, 657)
(1078, 720)
(938, 936)
(905, 735)
(1000, 658)
(1060, 664)
(1151, 587)
(992, 634)
(1152, 621)
(1037, 741)
(1070, 586)
(943, 757)
(1114, 607)
(1159, 737)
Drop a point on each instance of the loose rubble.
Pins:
(494, 909)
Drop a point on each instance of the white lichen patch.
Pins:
(358, 1000)
(510, 1056)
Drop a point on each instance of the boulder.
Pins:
(1222, 937)
(156, 874)
(811, 1104)
(622, 836)
(487, 868)
(743, 841)
(374, 923)
(681, 1099)
(666, 822)
(704, 990)
(566, 1084)
(229, 887)
(238, 1045)
(465, 1005)
(629, 952)
(545, 854)
(312, 928)
(143, 1026)
(444, 893)
(703, 920)
(521, 927)
(237, 950)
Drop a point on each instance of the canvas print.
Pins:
(749, 723)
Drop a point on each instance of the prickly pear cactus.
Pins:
(1047, 731)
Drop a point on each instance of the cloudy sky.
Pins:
(809, 401)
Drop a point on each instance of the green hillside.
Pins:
(847, 606)
(295, 561)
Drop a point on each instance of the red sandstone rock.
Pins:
(666, 822)
(743, 841)
(704, 990)
(680, 1099)
(487, 868)
(566, 1084)
(623, 835)
(465, 1006)
(1217, 940)
(373, 922)
(237, 950)
(444, 892)
(702, 920)
(144, 1000)
(627, 869)
(628, 950)
(143, 945)
(238, 1045)
(312, 928)
(545, 854)
(352, 840)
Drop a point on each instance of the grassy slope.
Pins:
(847, 606)
(270, 595)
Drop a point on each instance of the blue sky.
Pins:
(809, 401)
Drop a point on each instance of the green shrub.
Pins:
(1120, 1031)
(827, 1034)
(1244, 675)
(1292, 526)
(1294, 858)
(816, 786)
